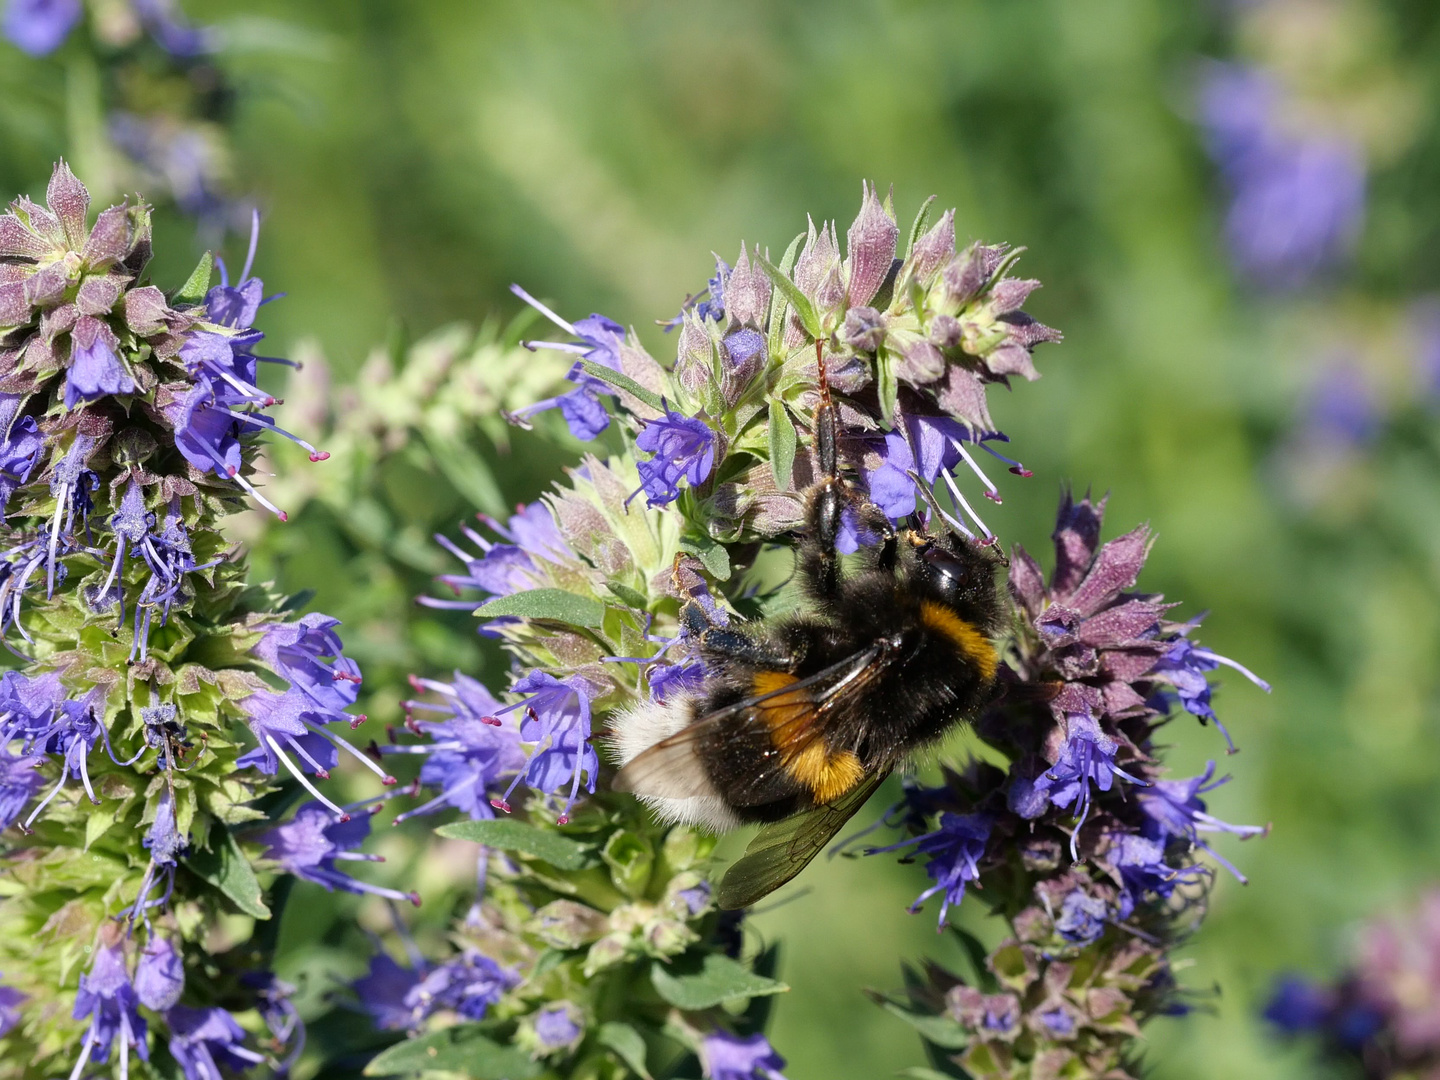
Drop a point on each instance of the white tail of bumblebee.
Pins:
(643, 728)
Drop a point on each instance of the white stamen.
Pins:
(538, 306)
(298, 775)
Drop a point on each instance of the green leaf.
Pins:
(919, 1072)
(917, 230)
(627, 1042)
(554, 605)
(777, 298)
(197, 284)
(630, 597)
(559, 851)
(468, 472)
(623, 382)
(461, 1049)
(940, 1030)
(703, 980)
(886, 386)
(225, 866)
(782, 444)
(798, 300)
(710, 552)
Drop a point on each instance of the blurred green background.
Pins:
(414, 158)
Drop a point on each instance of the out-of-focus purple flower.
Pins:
(1082, 917)
(600, 343)
(310, 843)
(20, 781)
(558, 1027)
(165, 842)
(10, 1002)
(469, 753)
(1297, 1005)
(1341, 409)
(202, 1041)
(730, 1057)
(557, 720)
(40, 26)
(468, 983)
(1297, 201)
(160, 975)
(955, 849)
(530, 537)
(683, 449)
(1399, 975)
(273, 1000)
(107, 999)
(21, 446)
(170, 31)
(383, 990)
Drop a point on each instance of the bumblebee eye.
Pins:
(955, 572)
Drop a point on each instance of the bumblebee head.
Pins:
(957, 572)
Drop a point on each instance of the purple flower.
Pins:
(107, 999)
(666, 679)
(1087, 758)
(10, 1002)
(309, 655)
(730, 1057)
(558, 1027)
(531, 538)
(170, 31)
(1184, 665)
(1141, 863)
(1297, 1006)
(21, 445)
(557, 720)
(1173, 808)
(160, 975)
(71, 482)
(1297, 201)
(20, 781)
(72, 734)
(1082, 917)
(601, 340)
(202, 1041)
(273, 1002)
(930, 447)
(39, 27)
(684, 449)
(468, 983)
(468, 753)
(955, 850)
(383, 991)
(310, 843)
(95, 370)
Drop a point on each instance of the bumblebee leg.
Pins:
(730, 645)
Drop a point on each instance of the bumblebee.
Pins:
(802, 717)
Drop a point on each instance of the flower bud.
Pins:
(870, 244)
(933, 250)
(747, 293)
(864, 329)
(567, 924)
(630, 857)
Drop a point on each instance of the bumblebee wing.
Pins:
(782, 850)
(777, 727)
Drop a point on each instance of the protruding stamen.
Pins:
(538, 306)
(340, 814)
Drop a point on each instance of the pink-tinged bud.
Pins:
(747, 293)
(97, 295)
(14, 308)
(920, 363)
(863, 330)
(945, 331)
(817, 258)
(934, 249)
(70, 202)
(1012, 359)
(692, 363)
(47, 287)
(870, 246)
(1010, 294)
(965, 274)
(19, 242)
(963, 397)
(111, 239)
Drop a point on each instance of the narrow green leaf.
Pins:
(622, 382)
(886, 387)
(710, 552)
(461, 1049)
(468, 471)
(197, 284)
(940, 1030)
(559, 851)
(798, 300)
(630, 597)
(777, 298)
(922, 222)
(225, 866)
(702, 981)
(782, 444)
(554, 605)
(628, 1043)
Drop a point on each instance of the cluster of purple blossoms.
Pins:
(1106, 845)
(1297, 199)
(40, 27)
(1381, 1017)
(402, 998)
